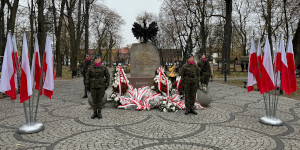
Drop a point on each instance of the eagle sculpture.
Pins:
(145, 33)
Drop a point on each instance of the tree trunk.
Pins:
(268, 22)
(58, 36)
(32, 30)
(2, 27)
(227, 38)
(86, 18)
(11, 21)
(203, 32)
(41, 27)
(75, 34)
(286, 21)
(296, 45)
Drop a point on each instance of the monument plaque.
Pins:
(144, 61)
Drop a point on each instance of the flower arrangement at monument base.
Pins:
(178, 85)
(161, 83)
(120, 84)
(141, 99)
(167, 106)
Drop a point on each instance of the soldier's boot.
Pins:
(94, 115)
(99, 114)
(85, 95)
(187, 111)
(193, 111)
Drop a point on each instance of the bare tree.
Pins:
(57, 30)
(296, 43)
(227, 37)
(75, 32)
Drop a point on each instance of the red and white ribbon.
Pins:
(122, 73)
(178, 82)
(161, 73)
(139, 97)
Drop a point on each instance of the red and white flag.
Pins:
(8, 83)
(267, 73)
(283, 67)
(26, 84)
(36, 66)
(252, 67)
(258, 65)
(48, 68)
(291, 68)
(15, 58)
(276, 65)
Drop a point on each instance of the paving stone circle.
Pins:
(229, 122)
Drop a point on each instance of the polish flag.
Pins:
(252, 67)
(277, 62)
(267, 74)
(48, 68)
(26, 84)
(8, 73)
(283, 68)
(15, 58)
(291, 68)
(15, 50)
(258, 65)
(36, 67)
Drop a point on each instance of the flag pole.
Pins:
(33, 126)
(260, 79)
(270, 119)
(33, 81)
(40, 86)
(29, 101)
(18, 78)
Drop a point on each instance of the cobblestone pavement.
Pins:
(231, 122)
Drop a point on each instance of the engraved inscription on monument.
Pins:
(144, 60)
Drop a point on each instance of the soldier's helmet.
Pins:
(97, 56)
(190, 55)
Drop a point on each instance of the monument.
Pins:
(144, 57)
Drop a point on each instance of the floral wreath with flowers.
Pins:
(178, 85)
(161, 83)
(120, 84)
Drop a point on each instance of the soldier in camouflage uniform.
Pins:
(84, 67)
(97, 81)
(190, 74)
(205, 71)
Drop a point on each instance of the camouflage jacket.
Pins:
(204, 68)
(190, 73)
(97, 77)
(84, 67)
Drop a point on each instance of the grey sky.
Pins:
(129, 10)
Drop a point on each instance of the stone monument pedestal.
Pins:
(144, 61)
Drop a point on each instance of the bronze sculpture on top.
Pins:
(146, 33)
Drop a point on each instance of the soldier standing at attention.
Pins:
(190, 74)
(84, 67)
(205, 71)
(97, 81)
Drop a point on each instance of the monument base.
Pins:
(138, 82)
(31, 128)
(270, 121)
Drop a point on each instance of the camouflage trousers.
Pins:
(190, 90)
(84, 83)
(204, 80)
(98, 101)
